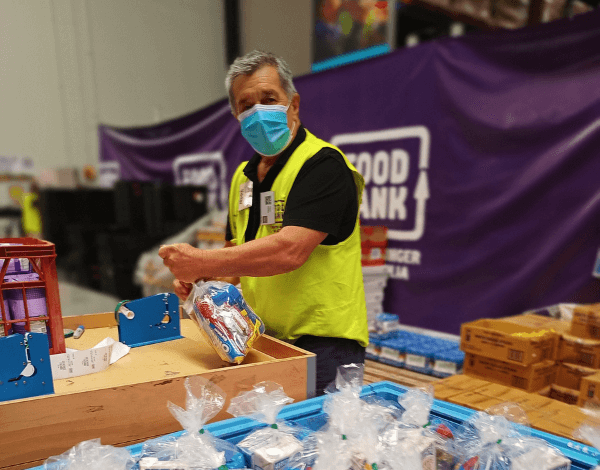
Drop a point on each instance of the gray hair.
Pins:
(250, 63)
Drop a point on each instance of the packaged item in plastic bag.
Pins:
(225, 318)
(324, 450)
(531, 453)
(488, 441)
(342, 403)
(91, 455)
(195, 448)
(348, 438)
(271, 447)
(589, 432)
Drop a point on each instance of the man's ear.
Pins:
(295, 104)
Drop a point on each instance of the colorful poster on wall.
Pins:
(348, 30)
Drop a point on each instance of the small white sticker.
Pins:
(415, 361)
(389, 353)
(245, 195)
(445, 367)
(267, 208)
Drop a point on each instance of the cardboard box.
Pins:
(475, 400)
(570, 375)
(127, 403)
(455, 385)
(539, 322)
(562, 394)
(508, 342)
(590, 390)
(586, 321)
(581, 351)
(530, 378)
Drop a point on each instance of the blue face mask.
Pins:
(265, 128)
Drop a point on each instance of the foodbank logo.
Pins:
(394, 164)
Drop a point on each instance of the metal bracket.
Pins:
(148, 320)
(26, 370)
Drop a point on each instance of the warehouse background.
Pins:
(135, 68)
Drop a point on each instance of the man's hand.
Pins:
(182, 289)
(183, 260)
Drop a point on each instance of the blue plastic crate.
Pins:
(310, 413)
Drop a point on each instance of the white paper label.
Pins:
(445, 367)
(245, 195)
(416, 361)
(74, 363)
(372, 349)
(390, 353)
(267, 208)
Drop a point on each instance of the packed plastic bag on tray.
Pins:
(268, 448)
(227, 321)
(322, 450)
(91, 455)
(416, 441)
(195, 448)
(488, 441)
(342, 403)
(529, 453)
(589, 432)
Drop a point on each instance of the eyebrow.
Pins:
(264, 93)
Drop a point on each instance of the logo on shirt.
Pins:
(204, 169)
(394, 165)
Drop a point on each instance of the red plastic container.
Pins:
(42, 258)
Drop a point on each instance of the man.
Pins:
(293, 231)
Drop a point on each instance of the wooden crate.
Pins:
(127, 403)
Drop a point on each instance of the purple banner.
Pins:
(480, 155)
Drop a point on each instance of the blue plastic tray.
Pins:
(310, 414)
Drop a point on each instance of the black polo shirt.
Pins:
(323, 196)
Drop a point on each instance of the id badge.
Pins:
(245, 200)
(267, 208)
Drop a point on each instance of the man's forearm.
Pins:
(266, 256)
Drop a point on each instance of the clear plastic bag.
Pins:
(342, 403)
(227, 321)
(589, 432)
(531, 453)
(267, 448)
(488, 441)
(408, 444)
(91, 455)
(195, 448)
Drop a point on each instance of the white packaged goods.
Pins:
(540, 459)
(275, 455)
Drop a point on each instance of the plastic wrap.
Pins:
(417, 406)
(195, 448)
(589, 432)
(343, 404)
(267, 448)
(488, 441)
(531, 453)
(349, 440)
(227, 321)
(91, 455)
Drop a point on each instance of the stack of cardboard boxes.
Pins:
(548, 367)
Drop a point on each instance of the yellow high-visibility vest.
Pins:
(325, 296)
